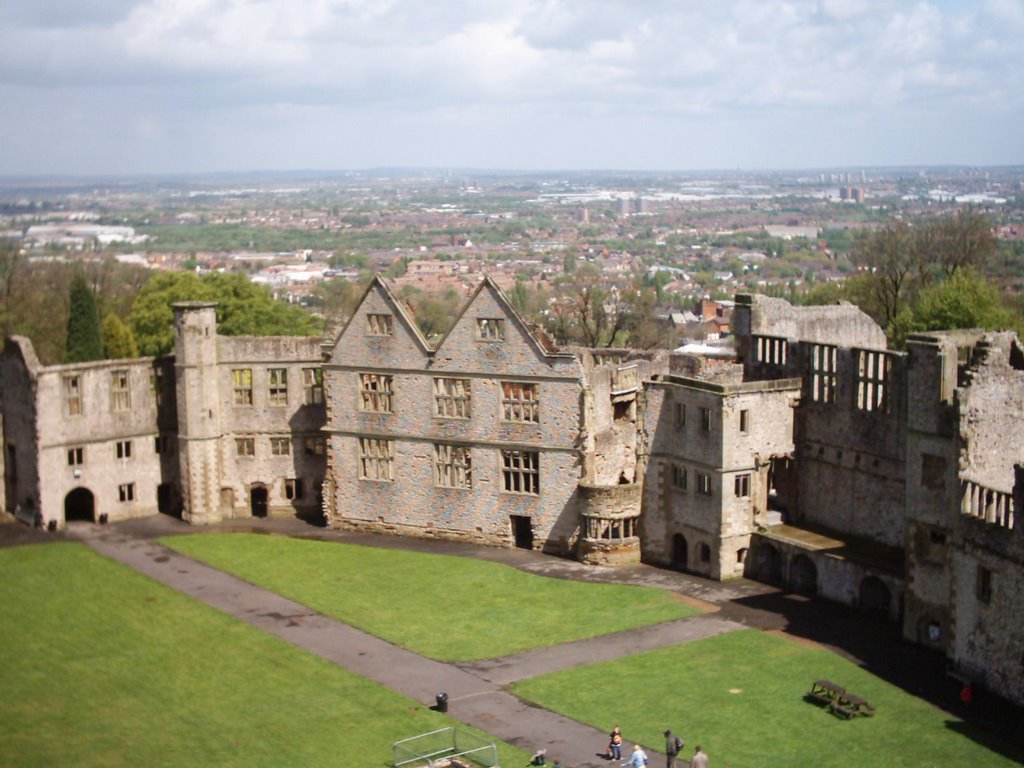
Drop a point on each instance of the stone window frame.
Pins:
(277, 386)
(71, 388)
(520, 401)
(983, 584)
(705, 419)
(76, 456)
(120, 390)
(376, 459)
(741, 485)
(452, 397)
(678, 477)
(280, 446)
(380, 324)
(245, 447)
(453, 466)
(123, 449)
(520, 472)
(772, 350)
(490, 329)
(704, 483)
(241, 386)
(156, 385)
(313, 386)
(680, 417)
(873, 381)
(293, 489)
(162, 444)
(314, 445)
(823, 372)
(126, 492)
(744, 421)
(376, 392)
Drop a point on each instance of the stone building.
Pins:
(815, 458)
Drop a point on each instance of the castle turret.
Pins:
(195, 343)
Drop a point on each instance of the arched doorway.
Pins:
(874, 595)
(803, 576)
(680, 552)
(80, 504)
(767, 564)
(258, 500)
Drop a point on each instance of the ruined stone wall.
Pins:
(988, 599)
(412, 501)
(851, 459)
(19, 458)
(706, 480)
(120, 463)
(296, 418)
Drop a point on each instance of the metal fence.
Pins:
(444, 744)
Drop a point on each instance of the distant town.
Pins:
(693, 236)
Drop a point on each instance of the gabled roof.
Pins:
(400, 308)
(540, 341)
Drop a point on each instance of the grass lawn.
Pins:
(448, 608)
(740, 696)
(100, 666)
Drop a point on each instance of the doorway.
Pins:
(79, 504)
(680, 552)
(522, 531)
(258, 500)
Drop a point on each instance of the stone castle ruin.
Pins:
(813, 458)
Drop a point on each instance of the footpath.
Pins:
(476, 691)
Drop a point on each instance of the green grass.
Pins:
(100, 666)
(740, 696)
(448, 608)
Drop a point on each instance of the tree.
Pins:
(886, 255)
(243, 309)
(118, 341)
(965, 300)
(963, 240)
(83, 337)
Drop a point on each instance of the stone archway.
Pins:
(80, 504)
(803, 576)
(874, 595)
(258, 500)
(767, 566)
(680, 552)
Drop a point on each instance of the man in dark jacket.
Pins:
(673, 746)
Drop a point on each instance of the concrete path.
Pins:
(476, 690)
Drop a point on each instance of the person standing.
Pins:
(673, 746)
(615, 744)
(700, 760)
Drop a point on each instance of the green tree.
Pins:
(243, 309)
(118, 341)
(965, 300)
(83, 337)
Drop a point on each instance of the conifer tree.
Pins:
(83, 341)
(118, 339)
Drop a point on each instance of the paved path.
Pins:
(476, 690)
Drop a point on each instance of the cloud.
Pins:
(568, 65)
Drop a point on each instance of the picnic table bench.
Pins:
(839, 700)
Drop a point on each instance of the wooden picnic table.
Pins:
(839, 700)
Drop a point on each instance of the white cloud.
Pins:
(645, 66)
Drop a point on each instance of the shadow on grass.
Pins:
(875, 644)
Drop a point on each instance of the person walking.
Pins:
(700, 760)
(673, 746)
(638, 759)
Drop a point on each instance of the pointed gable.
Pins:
(490, 336)
(381, 333)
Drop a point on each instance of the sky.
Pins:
(118, 87)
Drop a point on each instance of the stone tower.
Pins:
(198, 399)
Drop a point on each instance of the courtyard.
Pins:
(328, 647)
